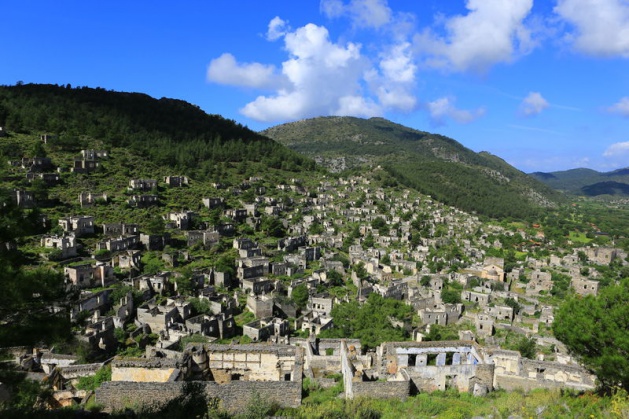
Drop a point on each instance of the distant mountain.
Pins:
(432, 163)
(587, 182)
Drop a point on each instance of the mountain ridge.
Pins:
(588, 182)
(432, 163)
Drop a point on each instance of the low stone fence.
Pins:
(234, 396)
(382, 389)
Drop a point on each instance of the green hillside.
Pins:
(167, 131)
(431, 163)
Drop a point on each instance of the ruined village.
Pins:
(343, 239)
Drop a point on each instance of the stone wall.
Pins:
(234, 396)
(382, 389)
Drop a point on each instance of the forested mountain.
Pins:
(167, 131)
(432, 163)
(587, 182)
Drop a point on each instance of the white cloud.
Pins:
(225, 70)
(363, 13)
(617, 150)
(443, 108)
(277, 29)
(621, 107)
(601, 26)
(323, 78)
(533, 104)
(492, 32)
(394, 84)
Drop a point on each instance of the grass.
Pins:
(451, 404)
(579, 238)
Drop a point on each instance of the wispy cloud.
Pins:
(617, 150)
(443, 109)
(536, 129)
(533, 104)
(363, 13)
(621, 107)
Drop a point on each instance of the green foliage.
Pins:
(300, 295)
(196, 338)
(258, 408)
(596, 329)
(527, 347)
(24, 303)
(451, 296)
(369, 322)
(93, 382)
(511, 302)
(438, 332)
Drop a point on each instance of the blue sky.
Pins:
(542, 84)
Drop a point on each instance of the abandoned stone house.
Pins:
(584, 286)
(90, 302)
(437, 365)
(441, 314)
(89, 276)
(83, 165)
(143, 201)
(99, 333)
(142, 184)
(120, 229)
(493, 272)
(482, 299)
(176, 181)
(244, 243)
(220, 325)
(321, 304)
(539, 281)
(205, 237)
(484, 325)
(87, 199)
(160, 317)
(500, 312)
(313, 323)
(119, 244)
(290, 244)
(50, 179)
(154, 241)
(79, 225)
(599, 255)
(213, 202)
(252, 267)
(263, 329)
(257, 285)
(260, 305)
(37, 164)
(180, 220)
(547, 315)
(66, 245)
(23, 199)
(131, 259)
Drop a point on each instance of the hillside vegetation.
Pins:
(166, 131)
(431, 163)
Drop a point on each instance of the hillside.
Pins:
(431, 163)
(167, 131)
(587, 182)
